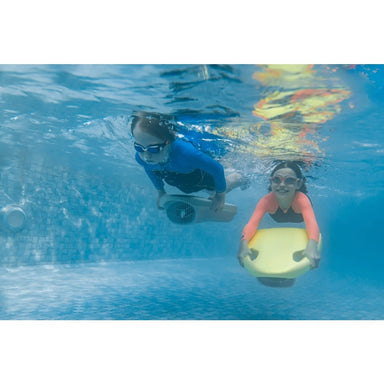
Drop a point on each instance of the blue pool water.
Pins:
(94, 246)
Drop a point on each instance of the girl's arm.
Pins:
(263, 206)
(251, 228)
(312, 249)
(302, 204)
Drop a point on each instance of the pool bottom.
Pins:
(182, 289)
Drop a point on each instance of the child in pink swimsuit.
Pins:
(287, 202)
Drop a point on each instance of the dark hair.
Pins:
(295, 168)
(156, 124)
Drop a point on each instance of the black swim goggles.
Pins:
(154, 148)
(287, 180)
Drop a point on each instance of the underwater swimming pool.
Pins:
(91, 243)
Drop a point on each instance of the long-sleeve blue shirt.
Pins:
(185, 158)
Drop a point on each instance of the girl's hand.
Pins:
(245, 251)
(312, 252)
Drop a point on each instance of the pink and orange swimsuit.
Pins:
(300, 210)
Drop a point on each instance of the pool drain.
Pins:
(12, 218)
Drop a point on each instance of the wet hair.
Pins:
(295, 168)
(156, 124)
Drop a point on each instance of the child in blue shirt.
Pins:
(167, 158)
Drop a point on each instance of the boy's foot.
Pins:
(235, 180)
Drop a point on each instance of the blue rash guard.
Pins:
(187, 168)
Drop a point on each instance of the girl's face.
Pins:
(151, 149)
(284, 183)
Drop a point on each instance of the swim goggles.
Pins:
(287, 180)
(155, 148)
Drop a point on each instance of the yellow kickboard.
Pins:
(278, 253)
